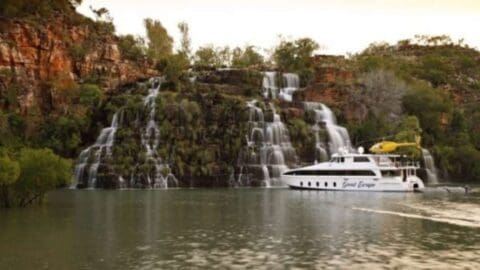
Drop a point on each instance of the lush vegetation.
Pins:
(27, 175)
(439, 78)
(296, 56)
(201, 134)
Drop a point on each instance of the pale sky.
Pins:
(340, 26)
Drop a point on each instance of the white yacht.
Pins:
(358, 172)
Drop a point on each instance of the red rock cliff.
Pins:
(32, 54)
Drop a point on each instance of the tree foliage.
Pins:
(26, 180)
(243, 58)
(45, 8)
(9, 170)
(90, 95)
(160, 43)
(431, 107)
(185, 41)
(296, 56)
(211, 56)
(131, 47)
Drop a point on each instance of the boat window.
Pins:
(309, 184)
(391, 173)
(332, 172)
(338, 159)
(361, 159)
(301, 184)
(334, 184)
(318, 184)
(326, 184)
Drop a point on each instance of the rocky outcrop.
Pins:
(330, 85)
(242, 82)
(34, 55)
(334, 82)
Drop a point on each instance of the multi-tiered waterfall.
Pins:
(268, 152)
(93, 157)
(289, 84)
(338, 138)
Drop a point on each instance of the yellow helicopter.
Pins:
(389, 146)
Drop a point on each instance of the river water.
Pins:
(242, 228)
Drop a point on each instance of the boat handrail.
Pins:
(399, 164)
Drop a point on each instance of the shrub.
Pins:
(132, 48)
(430, 106)
(37, 171)
(90, 95)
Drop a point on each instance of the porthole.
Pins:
(326, 184)
(318, 184)
(309, 184)
(301, 184)
(334, 184)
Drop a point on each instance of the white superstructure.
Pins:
(357, 172)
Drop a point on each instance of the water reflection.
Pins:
(228, 228)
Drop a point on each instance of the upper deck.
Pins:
(353, 161)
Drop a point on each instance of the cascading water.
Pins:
(338, 137)
(162, 176)
(269, 85)
(430, 167)
(91, 158)
(100, 150)
(290, 83)
(268, 151)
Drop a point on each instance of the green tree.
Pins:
(296, 56)
(9, 173)
(26, 181)
(174, 67)
(431, 107)
(61, 134)
(160, 44)
(246, 58)
(210, 56)
(90, 95)
(436, 69)
(206, 56)
(41, 171)
(185, 41)
(132, 48)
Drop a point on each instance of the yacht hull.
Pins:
(391, 184)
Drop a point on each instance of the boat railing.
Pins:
(399, 164)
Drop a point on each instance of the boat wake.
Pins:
(460, 214)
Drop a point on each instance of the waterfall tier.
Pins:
(289, 84)
(430, 167)
(338, 138)
(90, 158)
(269, 151)
(161, 177)
(98, 156)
